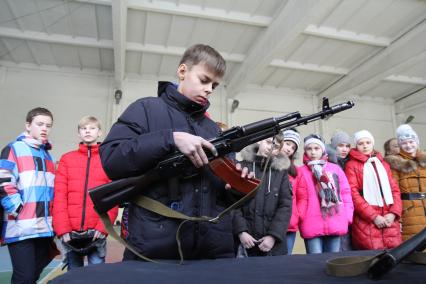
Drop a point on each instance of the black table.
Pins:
(255, 270)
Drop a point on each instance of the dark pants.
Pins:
(29, 258)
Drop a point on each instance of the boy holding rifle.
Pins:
(152, 128)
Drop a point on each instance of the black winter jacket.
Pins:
(143, 136)
(269, 212)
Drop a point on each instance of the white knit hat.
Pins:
(292, 136)
(314, 138)
(405, 132)
(363, 134)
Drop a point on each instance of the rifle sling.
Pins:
(357, 265)
(161, 209)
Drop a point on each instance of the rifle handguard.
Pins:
(226, 170)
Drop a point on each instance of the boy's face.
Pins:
(40, 127)
(410, 146)
(365, 146)
(89, 133)
(267, 146)
(197, 83)
(342, 150)
(288, 148)
(313, 151)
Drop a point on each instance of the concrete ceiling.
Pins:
(333, 48)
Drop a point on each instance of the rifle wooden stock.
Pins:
(107, 196)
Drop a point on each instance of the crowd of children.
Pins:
(344, 196)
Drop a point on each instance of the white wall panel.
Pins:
(70, 96)
(67, 96)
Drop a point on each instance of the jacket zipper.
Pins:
(83, 215)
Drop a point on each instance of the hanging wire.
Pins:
(48, 26)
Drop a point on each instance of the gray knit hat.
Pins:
(405, 132)
(292, 136)
(339, 138)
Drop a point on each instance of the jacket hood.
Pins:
(354, 154)
(279, 163)
(24, 137)
(405, 163)
(168, 91)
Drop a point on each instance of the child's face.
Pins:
(313, 151)
(267, 146)
(288, 148)
(365, 146)
(89, 133)
(342, 150)
(197, 83)
(410, 146)
(394, 147)
(40, 127)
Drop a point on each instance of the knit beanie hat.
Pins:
(292, 136)
(339, 138)
(363, 134)
(405, 132)
(315, 138)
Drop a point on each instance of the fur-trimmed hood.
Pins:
(405, 163)
(279, 163)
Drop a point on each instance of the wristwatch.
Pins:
(17, 211)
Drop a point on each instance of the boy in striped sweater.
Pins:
(27, 175)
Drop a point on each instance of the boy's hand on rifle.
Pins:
(244, 174)
(266, 243)
(247, 240)
(192, 147)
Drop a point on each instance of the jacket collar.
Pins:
(354, 154)
(404, 162)
(169, 93)
(34, 143)
(83, 148)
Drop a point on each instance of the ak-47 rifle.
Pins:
(109, 195)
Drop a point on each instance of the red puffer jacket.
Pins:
(78, 171)
(365, 234)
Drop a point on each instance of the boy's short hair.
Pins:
(37, 111)
(201, 53)
(88, 119)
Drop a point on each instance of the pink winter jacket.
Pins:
(311, 222)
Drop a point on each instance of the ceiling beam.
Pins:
(176, 51)
(55, 38)
(403, 53)
(289, 23)
(406, 79)
(103, 43)
(191, 11)
(308, 67)
(345, 35)
(119, 23)
(199, 12)
(412, 102)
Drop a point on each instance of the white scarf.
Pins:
(371, 185)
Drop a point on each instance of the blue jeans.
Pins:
(323, 244)
(291, 237)
(96, 256)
